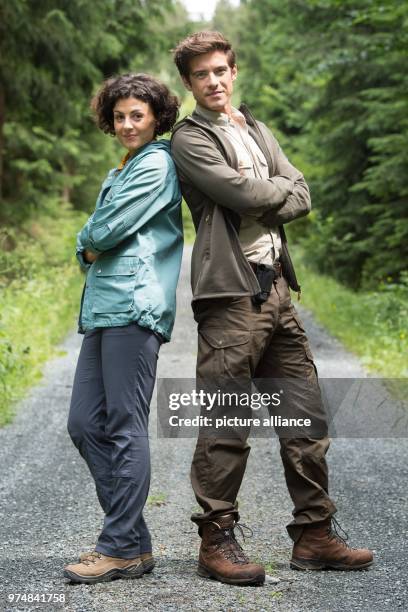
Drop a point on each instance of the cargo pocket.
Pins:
(223, 354)
(114, 287)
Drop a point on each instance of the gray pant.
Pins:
(108, 423)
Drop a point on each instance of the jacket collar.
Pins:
(221, 141)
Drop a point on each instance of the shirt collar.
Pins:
(221, 119)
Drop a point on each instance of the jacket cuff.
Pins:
(85, 265)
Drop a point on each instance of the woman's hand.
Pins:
(89, 256)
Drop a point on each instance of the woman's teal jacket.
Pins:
(137, 230)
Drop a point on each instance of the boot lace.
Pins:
(333, 532)
(226, 541)
(91, 558)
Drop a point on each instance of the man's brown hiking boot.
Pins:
(148, 560)
(97, 567)
(321, 547)
(222, 558)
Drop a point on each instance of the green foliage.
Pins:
(52, 56)
(330, 79)
(42, 166)
(188, 225)
(226, 19)
(39, 299)
(372, 324)
(175, 28)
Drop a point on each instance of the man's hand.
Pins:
(89, 256)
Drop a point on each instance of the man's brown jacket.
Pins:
(217, 195)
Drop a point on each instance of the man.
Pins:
(241, 190)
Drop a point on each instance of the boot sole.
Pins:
(256, 581)
(135, 571)
(312, 564)
(148, 566)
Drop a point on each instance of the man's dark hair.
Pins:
(141, 86)
(198, 44)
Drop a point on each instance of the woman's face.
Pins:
(134, 123)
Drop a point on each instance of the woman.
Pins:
(131, 248)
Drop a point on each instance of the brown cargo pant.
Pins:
(237, 339)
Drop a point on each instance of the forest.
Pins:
(327, 76)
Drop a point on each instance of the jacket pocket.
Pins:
(114, 287)
(223, 353)
(113, 190)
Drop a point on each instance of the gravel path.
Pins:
(49, 510)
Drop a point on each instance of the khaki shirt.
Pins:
(260, 244)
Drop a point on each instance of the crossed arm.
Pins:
(273, 201)
(137, 201)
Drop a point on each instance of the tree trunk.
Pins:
(66, 193)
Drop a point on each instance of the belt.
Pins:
(276, 266)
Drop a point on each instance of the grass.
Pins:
(39, 303)
(270, 567)
(371, 324)
(159, 499)
(188, 226)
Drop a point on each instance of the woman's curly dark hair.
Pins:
(141, 86)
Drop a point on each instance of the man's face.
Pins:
(211, 81)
